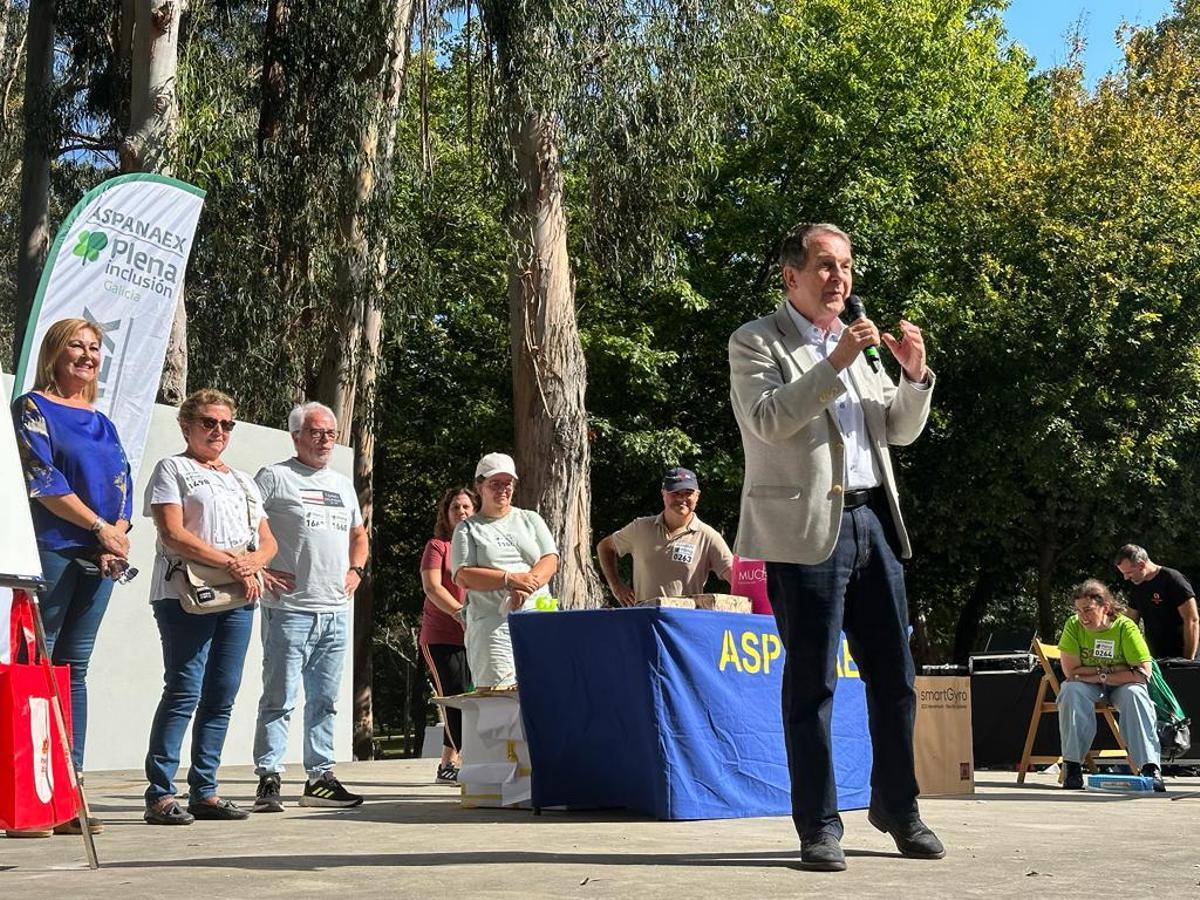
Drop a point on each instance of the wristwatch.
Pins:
(361, 571)
(98, 524)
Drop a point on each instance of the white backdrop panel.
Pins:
(125, 678)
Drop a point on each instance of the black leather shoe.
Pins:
(822, 853)
(913, 837)
(171, 814)
(1150, 770)
(223, 810)
(1072, 776)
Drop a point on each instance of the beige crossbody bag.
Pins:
(205, 589)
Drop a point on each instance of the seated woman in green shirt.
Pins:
(1104, 656)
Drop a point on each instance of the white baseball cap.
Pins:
(496, 464)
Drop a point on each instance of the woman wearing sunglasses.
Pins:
(208, 513)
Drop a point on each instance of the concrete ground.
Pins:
(411, 839)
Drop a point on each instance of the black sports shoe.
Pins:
(266, 798)
(222, 810)
(1072, 776)
(1150, 770)
(447, 773)
(328, 791)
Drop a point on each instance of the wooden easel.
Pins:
(27, 593)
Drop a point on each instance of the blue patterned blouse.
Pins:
(67, 450)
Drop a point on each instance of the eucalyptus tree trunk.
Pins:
(293, 263)
(5, 15)
(149, 143)
(549, 371)
(273, 82)
(349, 370)
(33, 239)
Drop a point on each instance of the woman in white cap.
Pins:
(503, 556)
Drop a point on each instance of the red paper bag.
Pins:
(37, 787)
(750, 580)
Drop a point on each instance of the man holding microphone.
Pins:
(820, 505)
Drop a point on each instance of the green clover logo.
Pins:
(89, 246)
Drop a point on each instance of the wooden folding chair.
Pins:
(1047, 702)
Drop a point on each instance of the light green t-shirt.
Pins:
(1120, 644)
(513, 543)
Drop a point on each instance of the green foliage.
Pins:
(265, 298)
(1042, 234)
(1061, 298)
(640, 94)
(861, 108)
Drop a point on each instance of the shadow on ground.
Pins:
(317, 862)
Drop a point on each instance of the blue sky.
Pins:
(1041, 27)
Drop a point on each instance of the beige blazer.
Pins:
(782, 394)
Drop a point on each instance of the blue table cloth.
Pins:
(671, 712)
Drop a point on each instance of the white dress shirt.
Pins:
(861, 469)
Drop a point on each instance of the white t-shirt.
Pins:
(214, 509)
(312, 512)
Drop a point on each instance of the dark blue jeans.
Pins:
(72, 607)
(859, 589)
(203, 657)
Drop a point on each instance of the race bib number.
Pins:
(1105, 650)
(324, 510)
(683, 553)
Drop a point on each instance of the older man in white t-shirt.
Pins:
(317, 522)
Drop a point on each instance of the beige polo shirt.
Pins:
(672, 565)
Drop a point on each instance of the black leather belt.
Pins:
(855, 499)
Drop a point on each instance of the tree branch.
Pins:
(12, 76)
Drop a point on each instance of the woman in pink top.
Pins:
(441, 623)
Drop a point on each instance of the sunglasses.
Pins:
(208, 423)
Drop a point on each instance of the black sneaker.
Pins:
(266, 798)
(1150, 770)
(1072, 776)
(447, 773)
(328, 791)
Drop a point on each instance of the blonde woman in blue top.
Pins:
(80, 499)
(1104, 656)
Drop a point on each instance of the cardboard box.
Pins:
(942, 738)
(495, 769)
(671, 602)
(722, 602)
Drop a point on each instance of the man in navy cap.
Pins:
(673, 552)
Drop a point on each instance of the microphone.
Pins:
(854, 306)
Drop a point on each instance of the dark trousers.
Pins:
(448, 666)
(859, 589)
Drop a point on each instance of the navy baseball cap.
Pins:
(680, 479)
